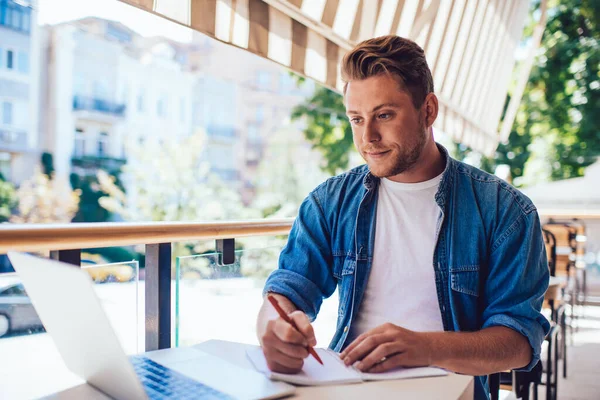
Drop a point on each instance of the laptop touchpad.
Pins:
(220, 374)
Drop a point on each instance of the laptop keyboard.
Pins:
(164, 383)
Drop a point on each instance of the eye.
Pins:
(355, 120)
(384, 116)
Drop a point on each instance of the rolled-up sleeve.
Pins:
(304, 273)
(518, 279)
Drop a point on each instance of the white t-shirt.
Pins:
(401, 286)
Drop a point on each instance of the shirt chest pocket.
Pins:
(465, 279)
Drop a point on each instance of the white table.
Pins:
(60, 383)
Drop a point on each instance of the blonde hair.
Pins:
(393, 55)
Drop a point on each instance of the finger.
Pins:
(273, 366)
(303, 324)
(360, 338)
(353, 345)
(391, 362)
(379, 354)
(365, 347)
(287, 333)
(292, 350)
(276, 358)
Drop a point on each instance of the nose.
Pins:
(370, 132)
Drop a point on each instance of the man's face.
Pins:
(389, 132)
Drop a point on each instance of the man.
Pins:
(436, 262)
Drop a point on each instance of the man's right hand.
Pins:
(285, 348)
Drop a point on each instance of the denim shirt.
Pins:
(489, 259)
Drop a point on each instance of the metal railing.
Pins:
(65, 241)
(100, 105)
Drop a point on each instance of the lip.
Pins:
(378, 154)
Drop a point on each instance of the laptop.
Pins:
(64, 297)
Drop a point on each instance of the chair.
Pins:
(545, 373)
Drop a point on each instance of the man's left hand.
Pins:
(387, 347)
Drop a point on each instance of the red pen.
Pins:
(287, 319)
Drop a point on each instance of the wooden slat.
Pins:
(330, 12)
(39, 237)
(203, 16)
(469, 88)
(488, 55)
(496, 66)
(258, 41)
(299, 41)
(472, 44)
(457, 60)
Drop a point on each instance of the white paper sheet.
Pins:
(333, 371)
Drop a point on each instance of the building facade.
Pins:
(108, 88)
(19, 89)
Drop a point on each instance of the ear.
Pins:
(431, 108)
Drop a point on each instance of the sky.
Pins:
(145, 23)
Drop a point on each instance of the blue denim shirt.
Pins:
(489, 259)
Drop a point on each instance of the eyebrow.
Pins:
(379, 107)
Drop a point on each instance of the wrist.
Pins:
(435, 349)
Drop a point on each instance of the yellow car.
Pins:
(101, 271)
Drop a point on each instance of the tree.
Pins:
(171, 182)
(47, 164)
(8, 200)
(45, 200)
(555, 134)
(327, 128)
(288, 171)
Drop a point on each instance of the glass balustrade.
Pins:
(23, 340)
(217, 301)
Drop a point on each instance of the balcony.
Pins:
(12, 140)
(92, 104)
(15, 16)
(95, 162)
(220, 131)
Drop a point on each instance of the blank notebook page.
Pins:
(333, 371)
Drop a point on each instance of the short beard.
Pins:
(409, 158)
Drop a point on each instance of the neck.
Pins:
(430, 164)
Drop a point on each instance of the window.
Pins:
(161, 106)
(15, 15)
(100, 90)
(7, 113)
(16, 290)
(79, 146)
(140, 101)
(102, 144)
(79, 85)
(23, 62)
(26, 22)
(9, 59)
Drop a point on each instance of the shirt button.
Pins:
(345, 329)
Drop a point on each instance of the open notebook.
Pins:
(333, 371)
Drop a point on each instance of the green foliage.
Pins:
(561, 98)
(89, 206)
(327, 128)
(8, 200)
(47, 164)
